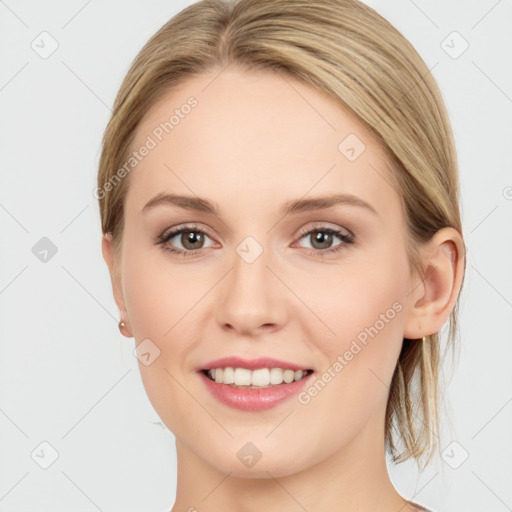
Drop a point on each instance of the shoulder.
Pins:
(417, 507)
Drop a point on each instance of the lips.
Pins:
(253, 400)
(252, 364)
(248, 398)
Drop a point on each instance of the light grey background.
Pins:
(67, 376)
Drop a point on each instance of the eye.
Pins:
(191, 239)
(322, 238)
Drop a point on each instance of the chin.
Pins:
(261, 469)
(249, 462)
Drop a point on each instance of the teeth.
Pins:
(260, 378)
(242, 377)
(276, 376)
(228, 376)
(288, 376)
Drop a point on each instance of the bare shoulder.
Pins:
(415, 507)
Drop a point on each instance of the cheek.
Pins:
(157, 295)
(160, 306)
(364, 312)
(359, 298)
(149, 307)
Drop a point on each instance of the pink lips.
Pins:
(252, 399)
(252, 364)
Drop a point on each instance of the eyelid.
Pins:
(324, 225)
(303, 231)
(347, 239)
(344, 234)
(187, 225)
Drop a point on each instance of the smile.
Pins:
(256, 379)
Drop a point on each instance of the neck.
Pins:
(355, 477)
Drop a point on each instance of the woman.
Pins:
(278, 192)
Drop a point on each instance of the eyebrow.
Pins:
(293, 206)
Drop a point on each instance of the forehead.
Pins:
(255, 131)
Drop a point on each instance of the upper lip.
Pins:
(251, 364)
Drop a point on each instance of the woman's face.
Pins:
(264, 275)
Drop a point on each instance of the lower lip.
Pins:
(253, 399)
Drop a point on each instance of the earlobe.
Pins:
(434, 297)
(107, 250)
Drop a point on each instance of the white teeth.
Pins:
(288, 376)
(242, 377)
(276, 376)
(228, 377)
(260, 378)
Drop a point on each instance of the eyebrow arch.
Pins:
(294, 206)
(319, 203)
(187, 202)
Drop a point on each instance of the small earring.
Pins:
(123, 329)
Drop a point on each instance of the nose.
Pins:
(251, 299)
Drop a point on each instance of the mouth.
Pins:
(260, 378)
(254, 390)
(254, 385)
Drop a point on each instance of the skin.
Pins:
(254, 141)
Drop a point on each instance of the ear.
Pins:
(107, 248)
(433, 295)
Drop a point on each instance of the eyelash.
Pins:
(345, 238)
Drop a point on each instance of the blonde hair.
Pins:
(347, 50)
